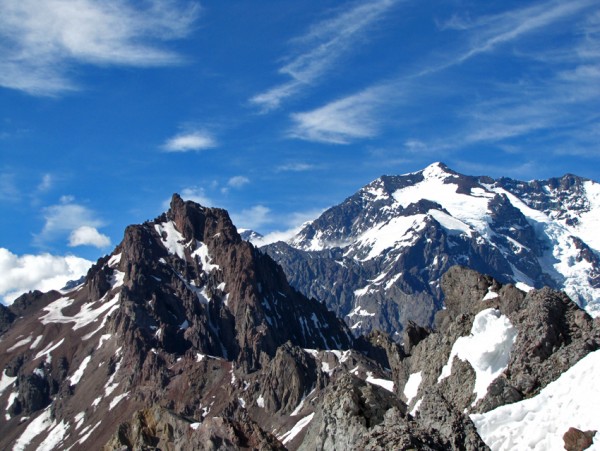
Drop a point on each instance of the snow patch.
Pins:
(79, 419)
(76, 377)
(359, 311)
(48, 349)
(490, 295)
(172, 240)
(487, 349)
(412, 386)
(523, 287)
(205, 258)
(20, 343)
(260, 402)
(116, 279)
(54, 437)
(385, 383)
(114, 260)
(85, 316)
(292, 433)
(87, 435)
(36, 342)
(117, 399)
(33, 429)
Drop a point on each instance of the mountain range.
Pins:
(377, 258)
(189, 337)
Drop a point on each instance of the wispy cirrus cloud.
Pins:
(487, 33)
(344, 120)
(8, 187)
(41, 42)
(297, 166)
(557, 100)
(324, 44)
(190, 141)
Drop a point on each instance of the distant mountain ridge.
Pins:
(377, 258)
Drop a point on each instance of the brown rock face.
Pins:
(577, 440)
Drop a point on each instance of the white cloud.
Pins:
(88, 236)
(190, 141)
(195, 194)
(42, 272)
(8, 188)
(41, 41)
(342, 121)
(295, 167)
(321, 47)
(46, 183)
(488, 33)
(252, 218)
(238, 181)
(294, 223)
(64, 218)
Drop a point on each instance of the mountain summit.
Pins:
(178, 293)
(377, 258)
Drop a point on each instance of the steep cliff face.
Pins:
(180, 307)
(378, 257)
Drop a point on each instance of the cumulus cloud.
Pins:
(42, 41)
(42, 272)
(190, 141)
(252, 218)
(198, 195)
(238, 181)
(88, 236)
(69, 219)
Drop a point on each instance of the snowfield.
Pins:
(539, 423)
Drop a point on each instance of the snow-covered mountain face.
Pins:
(377, 258)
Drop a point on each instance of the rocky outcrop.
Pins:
(552, 334)
(159, 428)
(578, 440)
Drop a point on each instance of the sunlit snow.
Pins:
(385, 383)
(205, 258)
(539, 423)
(292, 433)
(412, 386)
(171, 238)
(85, 316)
(76, 377)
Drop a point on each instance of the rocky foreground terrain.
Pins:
(187, 337)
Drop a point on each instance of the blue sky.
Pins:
(273, 109)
